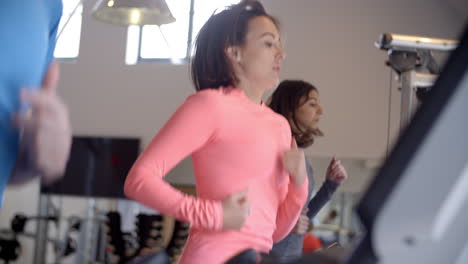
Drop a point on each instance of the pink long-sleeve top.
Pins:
(235, 145)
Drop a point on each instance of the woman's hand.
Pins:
(336, 172)
(46, 127)
(303, 223)
(294, 163)
(236, 209)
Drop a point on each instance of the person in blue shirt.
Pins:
(35, 132)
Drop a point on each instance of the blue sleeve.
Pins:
(321, 198)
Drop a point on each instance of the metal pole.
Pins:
(87, 245)
(407, 99)
(40, 248)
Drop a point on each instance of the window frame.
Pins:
(184, 60)
(67, 18)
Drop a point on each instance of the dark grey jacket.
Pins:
(290, 247)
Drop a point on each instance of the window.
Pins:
(171, 42)
(68, 33)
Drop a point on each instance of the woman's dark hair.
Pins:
(210, 66)
(287, 98)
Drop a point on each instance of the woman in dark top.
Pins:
(299, 103)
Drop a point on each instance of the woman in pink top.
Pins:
(250, 177)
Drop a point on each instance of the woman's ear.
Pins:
(233, 54)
